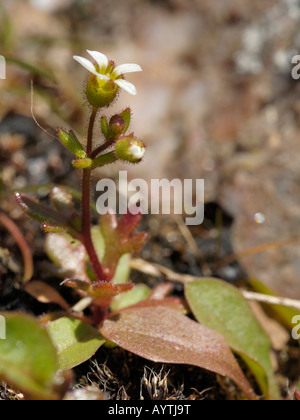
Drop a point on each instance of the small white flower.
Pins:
(137, 151)
(106, 70)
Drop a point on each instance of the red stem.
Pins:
(86, 206)
(22, 244)
(102, 148)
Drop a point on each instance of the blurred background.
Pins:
(216, 100)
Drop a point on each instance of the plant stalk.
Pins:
(86, 206)
(102, 148)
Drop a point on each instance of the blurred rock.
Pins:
(51, 5)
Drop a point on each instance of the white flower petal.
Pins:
(137, 152)
(126, 68)
(129, 87)
(100, 58)
(85, 63)
(89, 66)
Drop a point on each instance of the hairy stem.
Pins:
(102, 148)
(86, 206)
(89, 146)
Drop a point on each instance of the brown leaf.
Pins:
(45, 294)
(174, 303)
(164, 335)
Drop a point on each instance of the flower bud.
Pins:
(100, 93)
(117, 126)
(130, 149)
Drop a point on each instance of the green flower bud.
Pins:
(130, 149)
(100, 93)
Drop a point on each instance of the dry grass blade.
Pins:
(256, 250)
(158, 271)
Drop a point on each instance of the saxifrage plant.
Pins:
(94, 260)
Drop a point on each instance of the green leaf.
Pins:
(44, 190)
(98, 242)
(71, 142)
(123, 269)
(28, 358)
(104, 128)
(220, 307)
(103, 160)
(164, 335)
(126, 115)
(40, 212)
(134, 296)
(75, 341)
